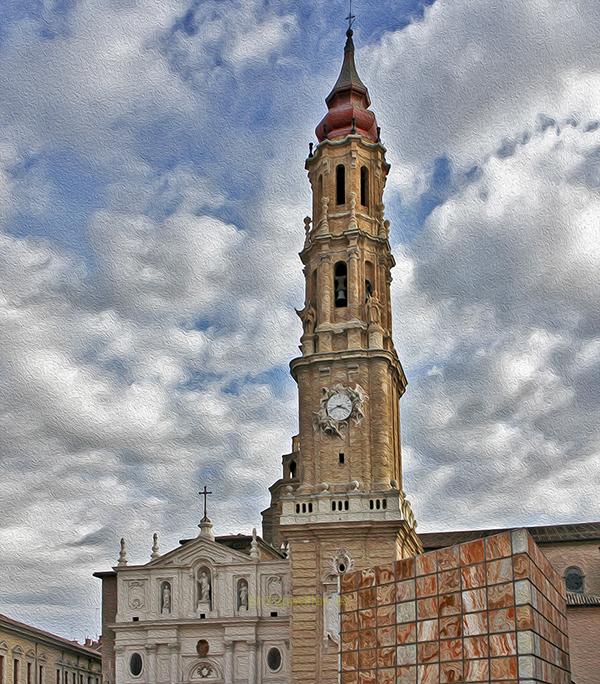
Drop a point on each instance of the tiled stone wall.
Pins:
(491, 610)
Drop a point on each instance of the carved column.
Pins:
(354, 278)
(151, 677)
(228, 668)
(324, 301)
(174, 662)
(251, 662)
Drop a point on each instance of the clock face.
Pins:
(339, 406)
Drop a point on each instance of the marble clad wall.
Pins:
(492, 610)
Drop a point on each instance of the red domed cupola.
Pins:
(348, 103)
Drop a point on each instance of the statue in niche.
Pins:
(204, 589)
(165, 598)
(308, 316)
(373, 310)
(242, 595)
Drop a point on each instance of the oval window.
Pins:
(202, 648)
(135, 664)
(274, 659)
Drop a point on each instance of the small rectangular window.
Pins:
(341, 457)
(29, 668)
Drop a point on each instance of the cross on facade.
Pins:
(204, 493)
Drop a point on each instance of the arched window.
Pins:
(292, 470)
(340, 184)
(574, 580)
(368, 289)
(340, 284)
(364, 186)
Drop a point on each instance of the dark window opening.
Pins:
(273, 613)
(16, 671)
(364, 186)
(136, 664)
(135, 619)
(574, 580)
(274, 659)
(346, 505)
(333, 505)
(341, 457)
(341, 284)
(368, 289)
(203, 616)
(202, 648)
(292, 469)
(340, 184)
(297, 508)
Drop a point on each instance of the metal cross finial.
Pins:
(204, 493)
(350, 18)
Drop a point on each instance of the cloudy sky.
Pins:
(152, 192)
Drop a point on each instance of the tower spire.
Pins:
(348, 102)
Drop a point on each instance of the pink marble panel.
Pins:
(503, 644)
(451, 672)
(474, 624)
(426, 564)
(349, 602)
(386, 615)
(451, 627)
(349, 621)
(450, 604)
(473, 576)
(449, 581)
(472, 552)
(385, 574)
(405, 569)
(502, 620)
(501, 595)
(349, 661)
(386, 636)
(427, 608)
(525, 618)
(405, 591)
(387, 676)
(367, 578)
(366, 618)
(367, 677)
(504, 668)
(349, 677)
(427, 630)
(406, 634)
(406, 675)
(428, 652)
(349, 581)
(451, 649)
(499, 571)
(367, 660)
(474, 600)
(448, 558)
(477, 670)
(349, 641)
(427, 586)
(367, 638)
(386, 657)
(476, 647)
(429, 674)
(367, 598)
(498, 546)
(386, 593)
(406, 654)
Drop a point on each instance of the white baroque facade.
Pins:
(212, 610)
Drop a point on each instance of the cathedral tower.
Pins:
(341, 503)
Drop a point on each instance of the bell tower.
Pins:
(343, 506)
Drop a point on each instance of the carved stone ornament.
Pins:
(274, 591)
(338, 406)
(204, 671)
(135, 595)
(341, 563)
